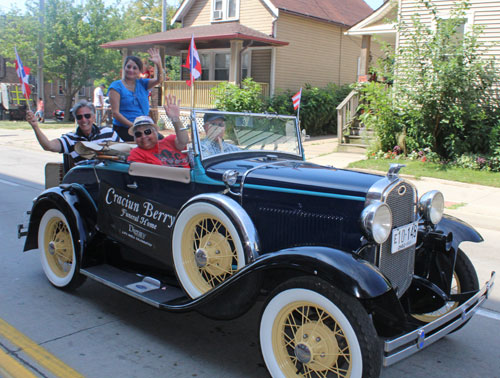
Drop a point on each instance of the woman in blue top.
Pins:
(128, 97)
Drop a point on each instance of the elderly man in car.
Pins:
(215, 128)
(152, 150)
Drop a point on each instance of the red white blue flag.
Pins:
(296, 99)
(193, 63)
(23, 73)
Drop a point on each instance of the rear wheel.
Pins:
(57, 251)
(207, 248)
(464, 280)
(309, 328)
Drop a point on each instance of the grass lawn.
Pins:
(440, 171)
(25, 125)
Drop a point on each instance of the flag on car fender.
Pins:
(193, 63)
(296, 99)
(23, 74)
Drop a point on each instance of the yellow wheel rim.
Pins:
(449, 306)
(209, 252)
(58, 247)
(309, 342)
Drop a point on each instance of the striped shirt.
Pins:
(97, 135)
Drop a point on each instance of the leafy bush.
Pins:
(232, 98)
(443, 98)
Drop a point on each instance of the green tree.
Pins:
(443, 94)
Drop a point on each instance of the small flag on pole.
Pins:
(296, 99)
(193, 63)
(23, 72)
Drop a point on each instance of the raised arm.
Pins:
(154, 55)
(173, 110)
(53, 145)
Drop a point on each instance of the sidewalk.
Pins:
(474, 204)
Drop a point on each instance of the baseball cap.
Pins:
(211, 116)
(142, 121)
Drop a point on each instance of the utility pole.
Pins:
(164, 16)
(40, 81)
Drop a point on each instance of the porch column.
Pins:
(364, 63)
(160, 86)
(125, 52)
(235, 65)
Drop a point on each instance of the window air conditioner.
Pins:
(217, 15)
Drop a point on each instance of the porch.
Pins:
(203, 96)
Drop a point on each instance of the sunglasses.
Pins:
(138, 134)
(80, 116)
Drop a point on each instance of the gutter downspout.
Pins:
(272, 79)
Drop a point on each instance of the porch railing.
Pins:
(346, 114)
(203, 97)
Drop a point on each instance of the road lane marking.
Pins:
(9, 183)
(38, 353)
(488, 313)
(11, 368)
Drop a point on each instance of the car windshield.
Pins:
(221, 133)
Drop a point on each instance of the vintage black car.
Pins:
(353, 270)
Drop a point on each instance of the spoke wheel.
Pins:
(57, 251)
(464, 280)
(207, 248)
(318, 332)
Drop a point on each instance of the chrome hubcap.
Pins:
(52, 248)
(201, 258)
(303, 353)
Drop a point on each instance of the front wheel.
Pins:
(311, 329)
(464, 280)
(57, 251)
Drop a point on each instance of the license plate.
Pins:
(404, 237)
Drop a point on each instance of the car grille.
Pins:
(398, 267)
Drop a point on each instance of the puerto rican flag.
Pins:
(296, 99)
(193, 63)
(23, 73)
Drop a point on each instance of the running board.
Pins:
(146, 289)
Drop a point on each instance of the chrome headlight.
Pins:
(376, 220)
(431, 206)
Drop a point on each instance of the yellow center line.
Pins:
(11, 368)
(35, 351)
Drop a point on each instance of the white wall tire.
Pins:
(302, 329)
(207, 248)
(57, 250)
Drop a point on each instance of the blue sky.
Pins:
(6, 4)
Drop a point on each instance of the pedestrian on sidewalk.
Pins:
(99, 103)
(87, 130)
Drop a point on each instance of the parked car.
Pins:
(354, 269)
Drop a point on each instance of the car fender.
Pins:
(74, 201)
(353, 275)
(460, 230)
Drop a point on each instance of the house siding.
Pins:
(319, 53)
(253, 13)
(261, 65)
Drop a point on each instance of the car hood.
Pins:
(297, 175)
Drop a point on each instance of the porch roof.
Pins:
(206, 36)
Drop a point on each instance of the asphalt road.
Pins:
(102, 333)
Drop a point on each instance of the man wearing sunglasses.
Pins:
(167, 151)
(84, 113)
(213, 143)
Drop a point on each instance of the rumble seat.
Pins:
(160, 171)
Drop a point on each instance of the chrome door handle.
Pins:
(132, 186)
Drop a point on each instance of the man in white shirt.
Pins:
(99, 103)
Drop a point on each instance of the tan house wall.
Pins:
(319, 53)
(261, 65)
(253, 13)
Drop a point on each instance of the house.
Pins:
(381, 25)
(281, 44)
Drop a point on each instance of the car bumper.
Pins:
(403, 346)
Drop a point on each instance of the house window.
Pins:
(222, 61)
(61, 86)
(224, 10)
(205, 66)
(81, 92)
